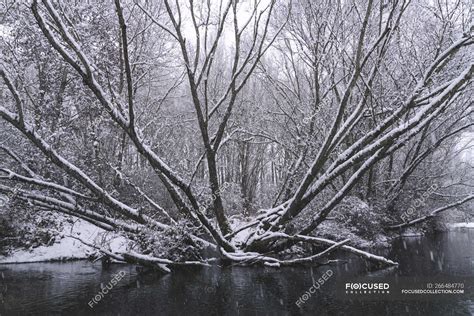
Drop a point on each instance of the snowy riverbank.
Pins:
(460, 225)
(65, 248)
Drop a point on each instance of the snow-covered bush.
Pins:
(174, 243)
(26, 229)
(357, 215)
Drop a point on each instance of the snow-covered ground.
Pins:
(238, 222)
(408, 234)
(66, 248)
(461, 225)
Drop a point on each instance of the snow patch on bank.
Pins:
(67, 248)
(461, 225)
(237, 222)
(412, 234)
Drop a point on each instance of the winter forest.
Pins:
(234, 132)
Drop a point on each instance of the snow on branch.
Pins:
(432, 214)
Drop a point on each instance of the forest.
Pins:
(243, 132)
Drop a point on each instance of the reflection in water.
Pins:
(66, 288)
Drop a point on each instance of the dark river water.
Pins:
(67, 288)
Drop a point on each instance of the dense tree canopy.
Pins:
(240, 126)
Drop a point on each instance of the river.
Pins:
(67, 288)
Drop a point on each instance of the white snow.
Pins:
(412, 234)
(237, 222)
(67, 248)
(461, 225)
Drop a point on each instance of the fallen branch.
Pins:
(155, 263)
(316, 256)
(322, 241)
(431, 215)
(249, 258)
(10, 175)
